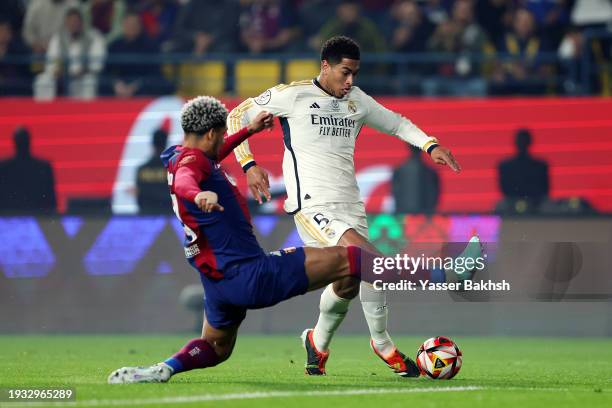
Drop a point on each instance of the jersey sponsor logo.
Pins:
(315, 106)
(331, 120)
(192, 251)
(264, 98)
(333, 126)
(187, 159)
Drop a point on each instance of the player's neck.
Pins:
(190, 144)
(324, 85)
(197, 144)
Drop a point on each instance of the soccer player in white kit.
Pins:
(321, 119)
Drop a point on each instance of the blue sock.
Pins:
(175, 364)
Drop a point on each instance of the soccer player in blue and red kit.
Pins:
(219, 243)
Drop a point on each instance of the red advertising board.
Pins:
(95, 146)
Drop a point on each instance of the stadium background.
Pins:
(64, 273)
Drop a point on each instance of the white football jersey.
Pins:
(319, 133)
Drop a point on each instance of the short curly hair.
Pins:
(201, 114)
(338, 47)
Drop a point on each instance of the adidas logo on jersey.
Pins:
(315, 106)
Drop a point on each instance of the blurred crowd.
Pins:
(86, 48)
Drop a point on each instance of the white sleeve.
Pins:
(387, 121)
(278, 101)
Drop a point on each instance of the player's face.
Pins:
(340, 77)
(218, 139)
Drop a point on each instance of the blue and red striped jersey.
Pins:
(212, 240)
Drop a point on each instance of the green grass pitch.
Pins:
(268, 371)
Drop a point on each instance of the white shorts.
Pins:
(323, 225)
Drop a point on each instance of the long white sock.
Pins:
(332, 310)
(374, 304)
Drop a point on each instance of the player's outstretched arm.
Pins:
(259, 183)
(442, 155)
(187, 185)
(278, 100)
(263, 120)
(257, 177)
(392, 123)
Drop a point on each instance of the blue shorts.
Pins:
(253, 284)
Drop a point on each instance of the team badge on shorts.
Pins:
(330, 233)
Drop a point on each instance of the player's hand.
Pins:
(441, 155)
(207, 201)
(263, 120)
(259, 184)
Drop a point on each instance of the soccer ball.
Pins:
(439, 358)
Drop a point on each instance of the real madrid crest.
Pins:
(352, 107)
